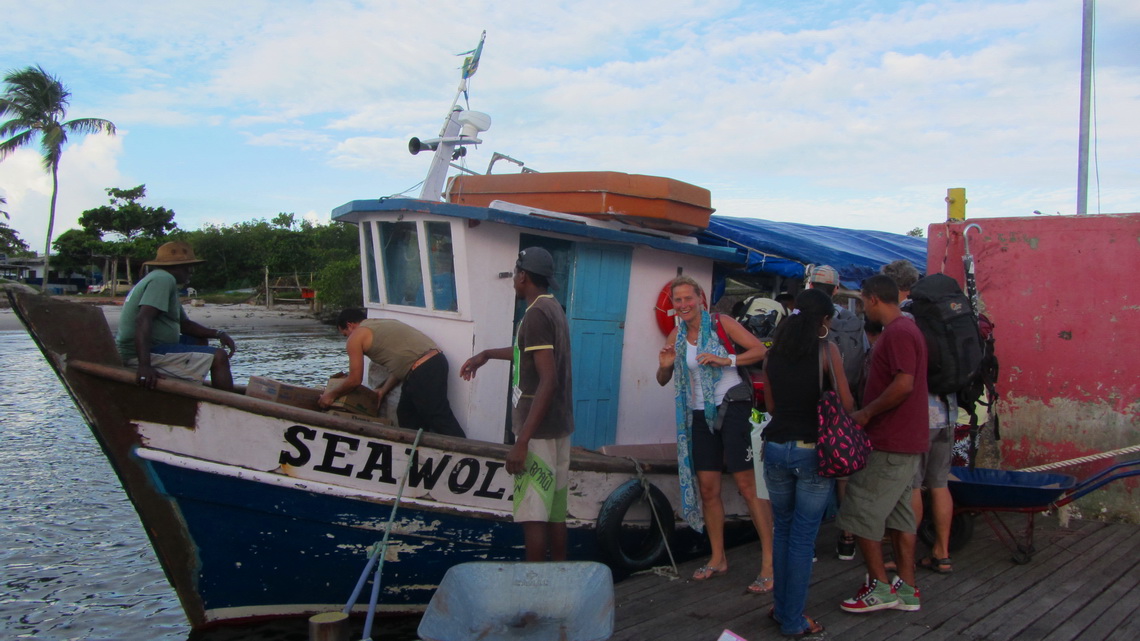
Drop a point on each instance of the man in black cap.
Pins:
(155, 335)
(542, 417)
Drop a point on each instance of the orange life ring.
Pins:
(666, 316)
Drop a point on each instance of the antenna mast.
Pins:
(459, 128)
(1088, 22)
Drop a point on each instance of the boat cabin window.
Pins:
(370, 263)
(442, 267)
(410, 253)
(400, 250)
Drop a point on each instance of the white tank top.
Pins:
(729, 378)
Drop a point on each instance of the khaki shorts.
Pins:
(187, 366)
(541, 490)
(934, 466)
(878, 497)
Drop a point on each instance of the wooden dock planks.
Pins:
(1081, 584)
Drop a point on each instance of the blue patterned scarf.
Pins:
(707, 343)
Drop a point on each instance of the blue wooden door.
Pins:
(597, 328)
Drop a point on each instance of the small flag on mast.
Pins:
(471, 62)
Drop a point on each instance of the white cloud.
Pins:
(316, 217)
(829, 111)
(89, 166)
(389, 154)
(298, 138)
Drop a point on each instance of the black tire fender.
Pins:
(614, 544)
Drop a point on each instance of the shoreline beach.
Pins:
(230, 317)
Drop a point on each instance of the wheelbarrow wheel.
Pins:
(961, 530)
(1023, 555)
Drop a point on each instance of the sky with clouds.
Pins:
(849, 113)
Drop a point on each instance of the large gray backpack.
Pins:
(953, 341)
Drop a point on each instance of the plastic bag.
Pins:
(759, 420)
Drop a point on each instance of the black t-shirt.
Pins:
(795, 394)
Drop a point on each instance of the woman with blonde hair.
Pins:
(712, 433)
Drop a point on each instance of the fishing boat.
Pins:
(259, 509)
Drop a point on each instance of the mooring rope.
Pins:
(653, 509)
(1083, 459)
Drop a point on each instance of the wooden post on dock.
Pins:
(328, 626)
(268, 291)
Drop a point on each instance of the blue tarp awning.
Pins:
(784, 249)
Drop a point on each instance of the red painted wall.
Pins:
(1064, 295)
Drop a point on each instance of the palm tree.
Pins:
(36, 103)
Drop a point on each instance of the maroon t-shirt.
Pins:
(903, 428)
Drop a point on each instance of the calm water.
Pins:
(76, 562)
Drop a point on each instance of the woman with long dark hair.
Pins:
(712, 434)
(798, 494)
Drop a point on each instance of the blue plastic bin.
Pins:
(572, 601)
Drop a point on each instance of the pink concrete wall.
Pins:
(1064, 295)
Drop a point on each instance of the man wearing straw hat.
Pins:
(155, 335)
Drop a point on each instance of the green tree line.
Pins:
(117, 238)
(237, 256)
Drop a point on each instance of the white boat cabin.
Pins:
(446, 270)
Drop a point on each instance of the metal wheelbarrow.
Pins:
(569, 601)
(990, 492)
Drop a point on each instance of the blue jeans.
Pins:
(799, 498)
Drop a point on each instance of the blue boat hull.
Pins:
(273, 550)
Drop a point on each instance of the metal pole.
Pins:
(441, 159)
(1086, 101)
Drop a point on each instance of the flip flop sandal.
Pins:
(706, 572)
(761, 585)
(941, 566)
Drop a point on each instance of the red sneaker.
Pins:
(871, 597)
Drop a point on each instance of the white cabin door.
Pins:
(596, 313)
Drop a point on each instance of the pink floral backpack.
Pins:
(843, 446)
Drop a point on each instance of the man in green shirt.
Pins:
(155, 335)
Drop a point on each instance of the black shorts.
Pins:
(728, 449)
